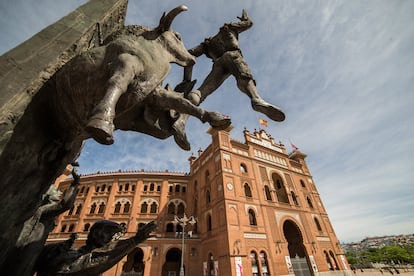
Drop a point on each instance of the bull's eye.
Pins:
(178, 36)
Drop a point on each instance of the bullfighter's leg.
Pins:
(216, 77)
(100, 125)
(238, 67)
(171, 100)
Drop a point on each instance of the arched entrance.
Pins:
(171, 266)
(297, 251)
(135, 263)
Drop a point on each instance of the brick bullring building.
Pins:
(257, 209)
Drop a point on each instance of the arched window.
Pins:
(101, 208)
(152, 187)
(127, 206)
(280, 188)
(144, 207)
(86, 227)
(153, 208)
(87, 190)
(208, 199)
(126, 187)
(294, 198)
(145, 187)
(170, 189)
(133, 188)
(109, 188)
(211, 266)
(309, 202)
(117, 208)
(71, 227)
(255, 263)
(78, 209)
(63, 229)
(170, 228)
(158, 188)
(71, 211)
(267, 193)
(247, 190)
(97, 189)
(328, 260)
(264, 263)
(180, 209)
(302, 183)
(120, 188)
(208, 221)
(171, 208)
(183, 189)
(82, 190)
(252, 218)
(243, 168)
(207, 177)
(318, 225)
(335, 264)
(103, 188)
(177, 188)
(93, 208)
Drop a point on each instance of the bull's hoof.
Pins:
(217, 120)
(179, 135)
(271, 111)
(101, 131)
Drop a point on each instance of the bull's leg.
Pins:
(100, 125)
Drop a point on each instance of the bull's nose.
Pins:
(192, 61)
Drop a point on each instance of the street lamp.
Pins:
(183, 222)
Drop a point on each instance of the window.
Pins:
(252, 218)
(71, 211)
(170, 228)
(78, 209)
(103, 188)
(281, 193)
(309, 202)
(208, 199)
(170, 188)
(117, 208)
(294, 198)
(318, 225)
(63, 229)
(145, 187)
(180, 209)
(158, 188)
(267, 193)
(93, 208)
(86, 227)
(171, 208)
(302, 183)
(126, 187)
(82, 190)
(208, 220)
(243, 168)
(247, 190)
(109, 188)
(255, 263)
(177, 188)
(152, 187)
(133, 188)
(184, 189)
(97, 189)
(144, 207)
(71, 227)
(127, 206)
(101, 208)
(207, 177)
(120, 188)
(153, 208)
(265, 264)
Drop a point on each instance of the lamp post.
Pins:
(183, 222)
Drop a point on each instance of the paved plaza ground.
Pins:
(376, 272)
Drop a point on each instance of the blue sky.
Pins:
(342, 71)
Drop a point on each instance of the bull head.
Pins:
(166, 20)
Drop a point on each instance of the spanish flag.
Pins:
(263, 122)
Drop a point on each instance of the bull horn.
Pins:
(166, 20)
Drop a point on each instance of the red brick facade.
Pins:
(258, 213)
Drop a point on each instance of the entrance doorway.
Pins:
(297, 251)
(171, 266)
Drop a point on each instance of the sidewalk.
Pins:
(376, 272)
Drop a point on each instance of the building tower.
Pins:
(257, 208)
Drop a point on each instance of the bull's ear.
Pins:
(166, 20)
